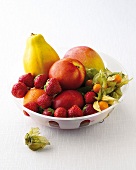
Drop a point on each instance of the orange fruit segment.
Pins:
(32, 95)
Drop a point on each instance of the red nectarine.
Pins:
(68, 98)
(69, 72)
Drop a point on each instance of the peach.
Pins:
(69, 72)
(87, 56)
(67, 99)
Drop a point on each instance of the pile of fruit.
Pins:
(76, 85)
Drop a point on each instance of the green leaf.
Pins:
(100, 94)
(110, 100)
(107, 72)
(90, 73)
(111, 84)
(85, 89)
(34, 141)
(109, 90)
(118, 91)
(115, 95)
(101, 79)
(124, 81)
(51, 110)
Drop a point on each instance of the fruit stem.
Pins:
(32, 34)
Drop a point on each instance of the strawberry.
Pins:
(90, 97)
(88, 109)
(44, 101)
(60, 112)
(48, 112)
(31, 106)
(19, 90)
(75, 111)
(40, 81)
(27, 79)
(52, 87)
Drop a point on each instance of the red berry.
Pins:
(88, 109)
(27, 79)
(44, 101)
(40, 81)
(52, 87)
(75, 111)
(60, 112)
(19, 90)
(90, 97)
(31, 106)
(48, 112)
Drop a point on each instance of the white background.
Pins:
(108, 26)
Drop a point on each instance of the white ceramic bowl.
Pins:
(74, 123)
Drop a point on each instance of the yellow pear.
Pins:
(38, 56)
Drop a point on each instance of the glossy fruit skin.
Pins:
(90, 97)
(69, 72)
(67, 99)
(52, 87)
(31, 106)
(75, 111)
(96, 88)
(32, 95)
(40, 81)
(48, 112)
(44, 101)
(103, 105)
(60, 112)
(87, 56)
(88, 109)
(38, 56)
(27, 79)
(19, 90)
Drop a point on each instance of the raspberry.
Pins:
(31, 106)
(75, 111)
(60, 112)
(90, 97)
(40, 81)
(48, 112)
(19, 90)
(88, 109)
(27, 79)
(52, 87)
(44, 101)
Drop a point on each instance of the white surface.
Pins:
(108, 26)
